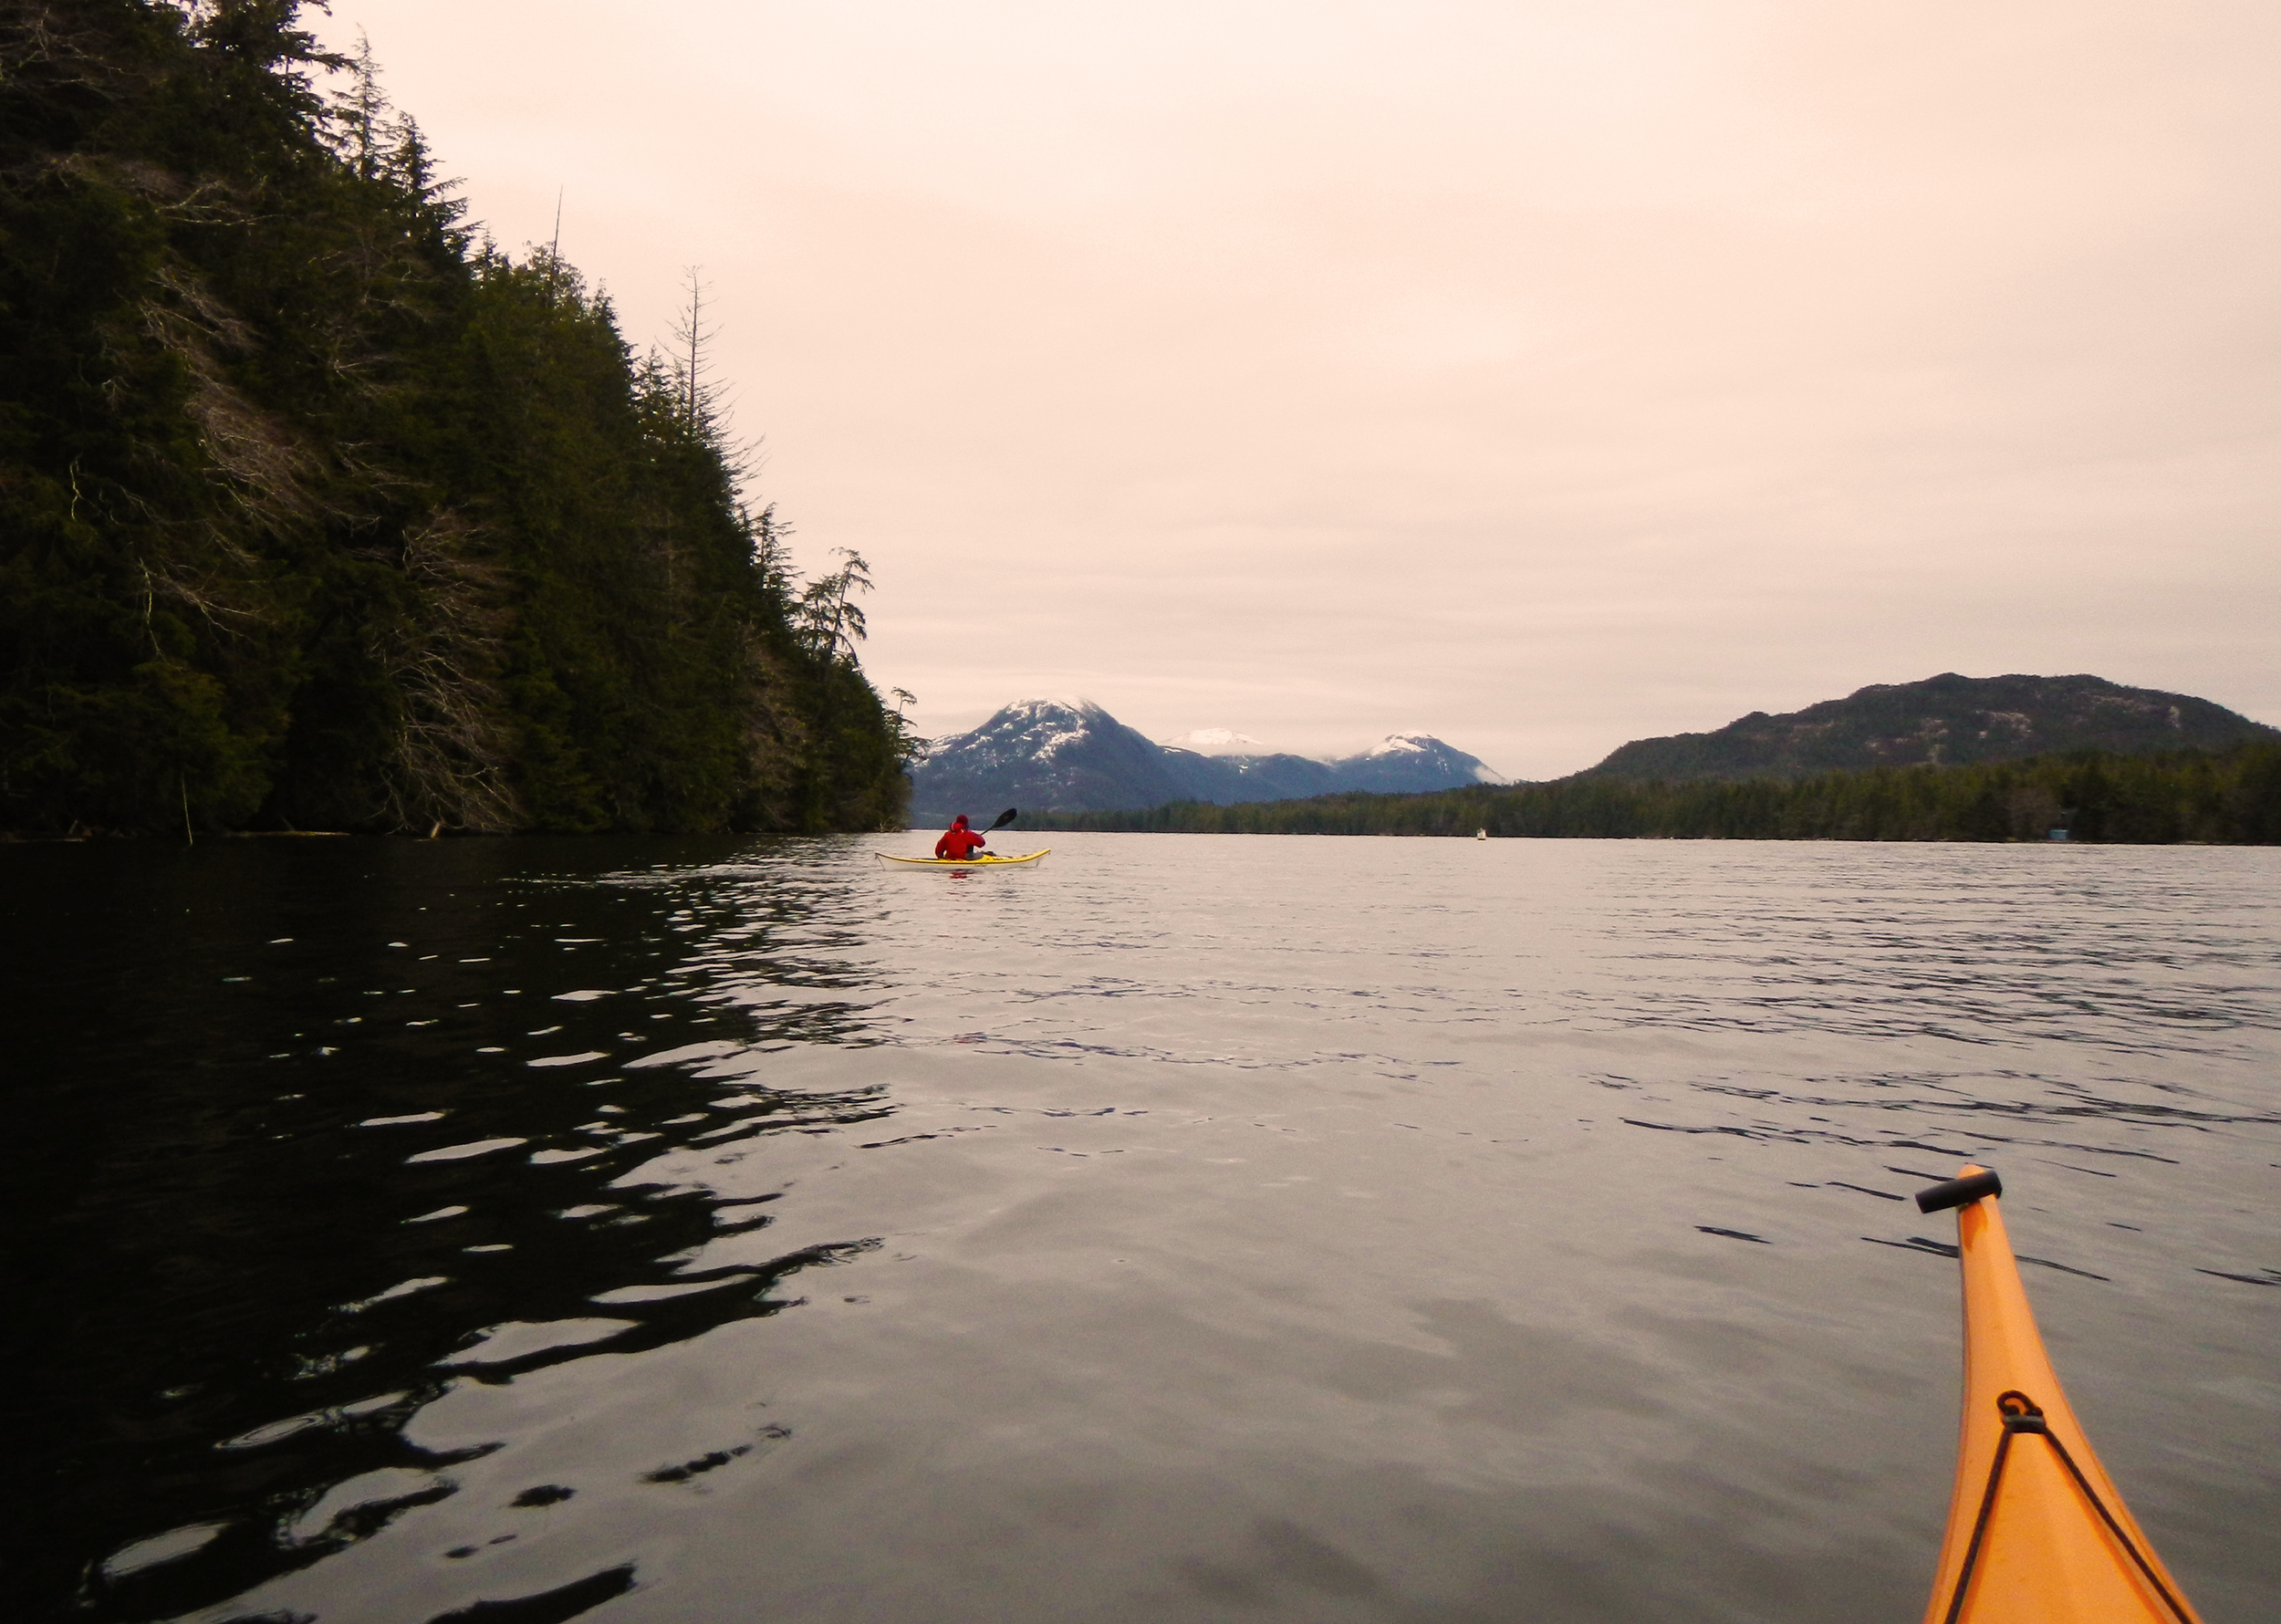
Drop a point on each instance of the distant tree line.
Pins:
(319, 511)
(2230, 797)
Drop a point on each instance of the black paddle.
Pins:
(1004, 817)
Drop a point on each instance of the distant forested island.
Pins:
(317, 511)
(2224, 798)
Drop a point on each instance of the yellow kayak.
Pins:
(971, 862)
(2036, 1533)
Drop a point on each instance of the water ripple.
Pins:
(818, 1192)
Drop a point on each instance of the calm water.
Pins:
(1190, 1229)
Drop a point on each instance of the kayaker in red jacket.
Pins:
(959, 842)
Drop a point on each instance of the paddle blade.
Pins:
(1004, 817)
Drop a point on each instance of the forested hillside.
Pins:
(319, 511)
(2228, 799)
(1944, 720)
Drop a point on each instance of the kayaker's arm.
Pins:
(982, 836)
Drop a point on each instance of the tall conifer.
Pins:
(317, 510)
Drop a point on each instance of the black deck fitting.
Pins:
(1959, 1192)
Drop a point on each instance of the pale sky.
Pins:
(1538, 376)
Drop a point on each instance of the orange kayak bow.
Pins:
(2036, 1533)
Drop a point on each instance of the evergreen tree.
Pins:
(2230, 797)
(317, 511)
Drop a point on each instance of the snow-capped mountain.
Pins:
(1403, 762)
(1044, 753)
(1073, 755)
(1217, 741)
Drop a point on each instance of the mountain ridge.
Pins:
(1947, 720)
(1072, 755)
